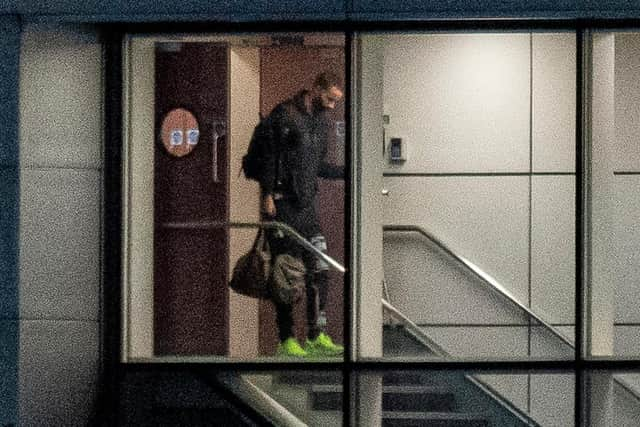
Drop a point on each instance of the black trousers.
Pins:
(304, 220)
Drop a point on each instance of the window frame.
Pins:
(112, 225)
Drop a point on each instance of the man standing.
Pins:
(298, 134)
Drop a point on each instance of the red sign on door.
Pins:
(179, 132)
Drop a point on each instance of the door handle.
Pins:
(385, 192)
(219, 130)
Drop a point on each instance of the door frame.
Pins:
(366, 187)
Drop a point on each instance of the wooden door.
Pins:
(190, 258)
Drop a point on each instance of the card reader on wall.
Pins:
(397, 150)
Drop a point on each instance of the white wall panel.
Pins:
(547, 345)
(429, 287)
(552, 399)
(484, 219)
(59, 363)
(554, 102)
(60, 244)
(481, 342)
(602, 187)
(626, 258)
(553, 248)
(460, 101)
(627, 101)
(367, 184)
(60, 98)
(627, 341)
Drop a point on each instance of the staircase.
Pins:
(304, 394)
(406, 404)
(409, 398)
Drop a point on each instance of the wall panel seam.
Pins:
(495, 325)
(62, 168)
(51, 319)
(472, 174)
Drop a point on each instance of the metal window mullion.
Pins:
(582, 206)
(112, 220)
(348, 237)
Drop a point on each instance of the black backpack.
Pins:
(253, 161)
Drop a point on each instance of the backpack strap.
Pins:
(285, 115)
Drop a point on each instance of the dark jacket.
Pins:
(298, 147)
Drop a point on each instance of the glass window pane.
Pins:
(614, 240)
(192, 208)
(474, 167)
(314, 398)
(613, 398)
(452, 398)
(180, 396)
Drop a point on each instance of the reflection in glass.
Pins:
(456, 398)
(291, 397)
(613, 398)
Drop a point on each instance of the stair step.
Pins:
(195, 417)
(417, 398)
(409, 389)
(433, 419)
(432, 379)
(326, 397)
(402, 378)
(308, 378)
(394, 398)
(409, 378)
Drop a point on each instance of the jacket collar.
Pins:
(299, 102)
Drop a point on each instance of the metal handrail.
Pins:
(494, 285)
(414, 329)
(265, 224)
(260, 400)
(424, 339)
(626, 386)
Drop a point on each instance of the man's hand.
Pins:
(268, 205)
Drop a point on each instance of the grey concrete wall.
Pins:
(60, 221)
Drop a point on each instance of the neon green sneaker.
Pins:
(290, 348)
(323, 346)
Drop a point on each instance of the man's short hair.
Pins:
(327, 80)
